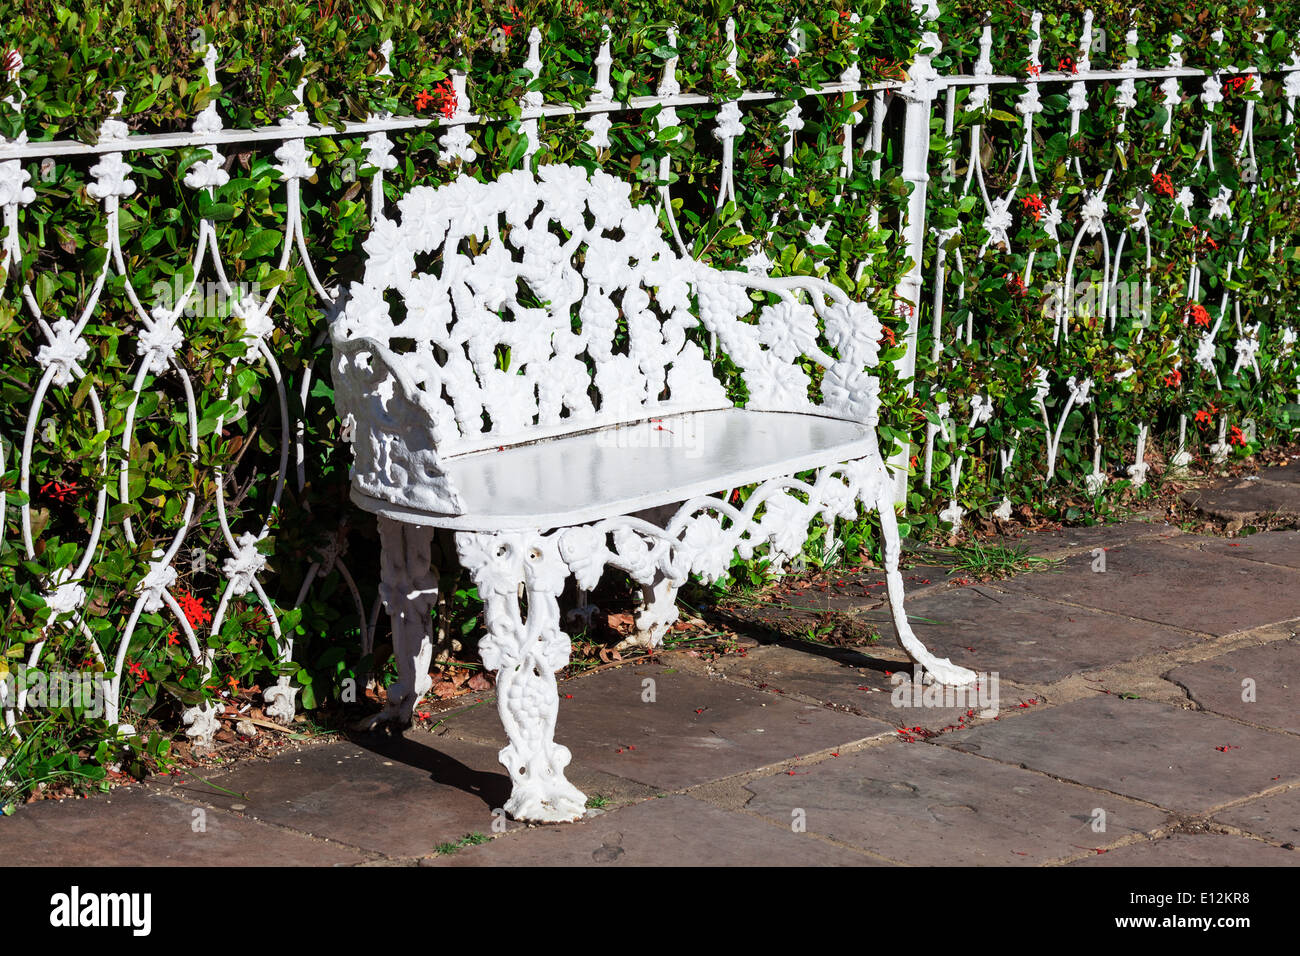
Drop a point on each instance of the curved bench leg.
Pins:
(525, 653)
(409, 589)
(941, 668)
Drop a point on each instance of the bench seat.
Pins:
(618, 470)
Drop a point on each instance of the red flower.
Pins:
(1016, 284)
(1197, 313)
(1174, 378)
(1235, 437)
(1203, 417)
(193, 609)
(1162, 184)
(59, 491)
(445, 94)
(887, 336)
(1066, 65)
(422, 99)
(1034, 69)
(137, 670)
(508, 29)
(1233, 85)
(1034, 205)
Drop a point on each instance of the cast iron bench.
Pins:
(510, 365)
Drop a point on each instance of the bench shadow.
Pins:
(769, 636)
(492, 787)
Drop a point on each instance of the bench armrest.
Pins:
(397, 428)
(813, 320)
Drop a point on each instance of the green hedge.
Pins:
(76, 55)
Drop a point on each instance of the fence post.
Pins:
(919, 94)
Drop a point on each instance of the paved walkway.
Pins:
(1149, 715)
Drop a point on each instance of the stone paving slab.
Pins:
(1029, 640)
(849, 680)
(672, 831)
(1286, 474)
(1152, 752)
(1247, 501)
(398, 797)
(1201, 849)
(133, 826)
(1275, 817)
(1274, 669)
(1072, 540)
(1269, 547)
(931, 806)
(696, 729)
(1167, 584)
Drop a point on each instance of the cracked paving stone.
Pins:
(844, 678)
(1161, 582)
(1066, 540)
(1249, 502)
(1275, 817)
(1200, 849)
(1268, 547)
(1260, 685)
(1028, 640)
(1163, 755)
(667, 729)
(931, 806)
(672, 831)
(397, 796)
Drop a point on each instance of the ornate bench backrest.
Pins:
(526, 306)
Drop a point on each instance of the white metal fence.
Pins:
(160, 338)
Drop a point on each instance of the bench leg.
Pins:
(940, 668)
(525, 652)
(409, 589)
(656, 613)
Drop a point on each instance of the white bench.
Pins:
(510, 367)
